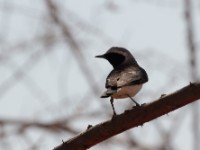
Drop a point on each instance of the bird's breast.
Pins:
(127, 90)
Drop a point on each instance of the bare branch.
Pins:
(133, 118)
(69, 38)
(24, 124)
(190, 30)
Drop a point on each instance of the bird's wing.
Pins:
(129, 76)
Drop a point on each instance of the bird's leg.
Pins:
(111, 101)
(137, 104)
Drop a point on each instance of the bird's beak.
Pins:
(100, 56)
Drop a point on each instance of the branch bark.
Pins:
(133, 118)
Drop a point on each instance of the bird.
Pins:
(127, 77)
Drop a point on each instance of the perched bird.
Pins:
(126, 78)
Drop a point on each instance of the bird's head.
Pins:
(118, 56)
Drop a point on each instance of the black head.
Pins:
(118, 56)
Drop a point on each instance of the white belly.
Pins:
(127, 90)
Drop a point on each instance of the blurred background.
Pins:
(51, 82)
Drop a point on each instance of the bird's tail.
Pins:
(108, 93)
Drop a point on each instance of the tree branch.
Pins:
(133, 118)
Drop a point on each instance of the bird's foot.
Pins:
(136, 106)
(114, 115)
